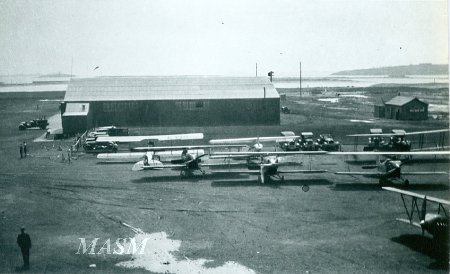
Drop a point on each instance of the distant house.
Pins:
(402, 108)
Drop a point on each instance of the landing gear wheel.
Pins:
(406, 182)
(183, 174)
(282, 178)
(305, 188)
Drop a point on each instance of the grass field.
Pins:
(342, 224)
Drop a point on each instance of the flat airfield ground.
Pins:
(342, 224)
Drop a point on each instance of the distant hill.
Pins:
(399, 71)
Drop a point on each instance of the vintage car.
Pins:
(291, 145)
(36, 123)
(92, 146)
(285, 110)
(307, 142)
(327, 143)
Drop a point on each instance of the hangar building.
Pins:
(169, 101)
(402, 108)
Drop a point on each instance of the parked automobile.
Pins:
(327, 143)
(36, 123)
(307, 142)
(293, 145)
(285, 110)
(92, 146)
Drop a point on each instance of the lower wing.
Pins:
(424, 173)
(358, 173)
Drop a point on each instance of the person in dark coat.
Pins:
(21, 151)
(24, 242)
(24, 149)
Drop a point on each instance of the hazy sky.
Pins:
(220, 37)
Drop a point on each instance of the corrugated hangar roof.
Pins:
(168, 88)
(401, 100)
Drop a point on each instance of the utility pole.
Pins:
(256, 69)
(300, 79)
(270, 74)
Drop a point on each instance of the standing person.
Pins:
(25, 149)
(21, 151)
(24, 242)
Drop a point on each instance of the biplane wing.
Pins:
(257, 172)
(393, 153)
(399, 133)
(435, 224)
(424, 172)
(154, 165)
(165, 148)
(358, 173)
(416, 195)
(131, 139)
(252, 140)
(268, 153)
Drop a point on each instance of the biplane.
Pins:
(389, 169)
(188, 164)
(434, 223)
(266, 164)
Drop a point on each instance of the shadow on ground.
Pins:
(428, 247)
(194, 178)
(272, 183)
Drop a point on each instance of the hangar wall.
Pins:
(187, 112)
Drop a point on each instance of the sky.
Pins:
(218, 37)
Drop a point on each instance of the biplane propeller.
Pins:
(266, 164)
(437, 224)
(389, 170)
(188, 164)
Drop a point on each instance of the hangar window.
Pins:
(119, 106)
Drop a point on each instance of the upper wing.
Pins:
(420, 196)
(164, 148)
(406, 133)
(130, 139)
(436, 152)
(253, 140)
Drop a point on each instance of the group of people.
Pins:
(23, 150)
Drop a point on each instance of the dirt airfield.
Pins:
(342, 224)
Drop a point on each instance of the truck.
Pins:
(36, 123)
